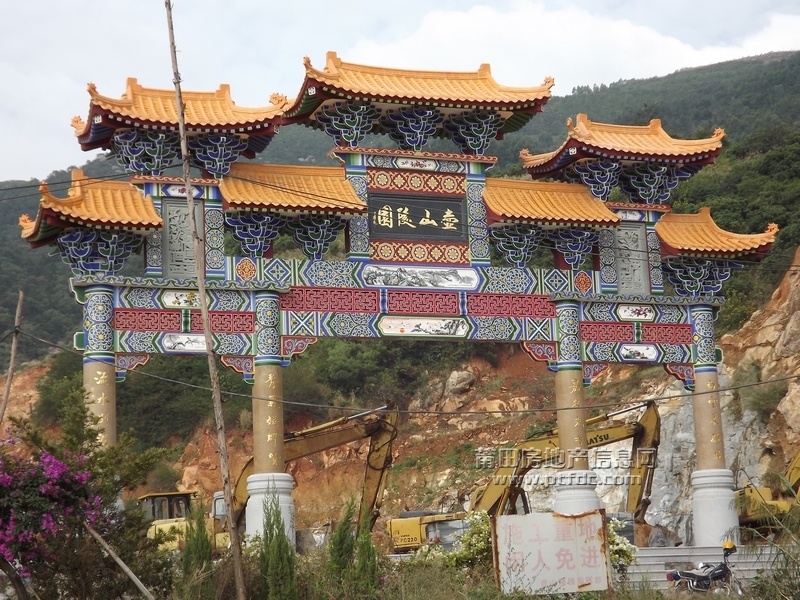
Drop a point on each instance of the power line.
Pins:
(356, 409)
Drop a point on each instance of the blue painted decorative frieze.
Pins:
(600, 176)
(255, 231)
(315, 233)
(348, 123)
(412, 127)
(215, 153)
(517, 243)
(473, 131)
(698, 277)
(99, 252)
(145, 152)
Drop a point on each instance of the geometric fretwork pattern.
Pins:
(147, 320)
(172, 320)
(227, 322)
(306, 299)
(607, 332)
(666, 334)
(422, 303)
(501, 305)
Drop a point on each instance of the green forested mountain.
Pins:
(755, 182)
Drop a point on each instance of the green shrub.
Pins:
(275, 556)
(196, 559)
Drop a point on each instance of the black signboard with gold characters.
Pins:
(429, 218)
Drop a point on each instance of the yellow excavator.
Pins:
(169, 510)
(757, 505)
(504, 493)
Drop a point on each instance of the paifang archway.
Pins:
(420, 228)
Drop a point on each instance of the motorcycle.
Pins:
(713, 579)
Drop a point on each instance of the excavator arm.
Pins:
(381, 431)
(643, 462)
(498, 497)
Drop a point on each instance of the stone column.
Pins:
(714, 512)
(268, 469)
(575, 484)
(99, 371)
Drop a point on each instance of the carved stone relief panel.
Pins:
(632, 261)
(178, 251)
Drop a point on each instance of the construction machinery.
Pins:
(169, 510)
(504, 493)
(757, 505)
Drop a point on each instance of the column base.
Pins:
(260, 487)
(575, 492)
(714, 516)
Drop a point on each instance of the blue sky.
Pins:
(50, 49)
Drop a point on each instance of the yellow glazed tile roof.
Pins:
(698, 234)
(478, 87)
(101, 203)
(203, 109)
(630, 139)
(544, 201)
(285, 187)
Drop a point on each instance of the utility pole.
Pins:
(199, 261)
(12, 362)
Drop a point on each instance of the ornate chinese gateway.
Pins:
(425, 236)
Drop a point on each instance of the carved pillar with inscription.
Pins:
(268, 477)
(714, 513)
(575, 484)
(99, 371)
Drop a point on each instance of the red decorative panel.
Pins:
(307, 299)
(666, 334)
(510, 305)
(422, 303)
(419, 182)
(419, 252)
(147, 320)
(225, 322)
(607, 332)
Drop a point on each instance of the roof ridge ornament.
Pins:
(78, 124)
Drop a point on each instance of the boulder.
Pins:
(459, 382)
